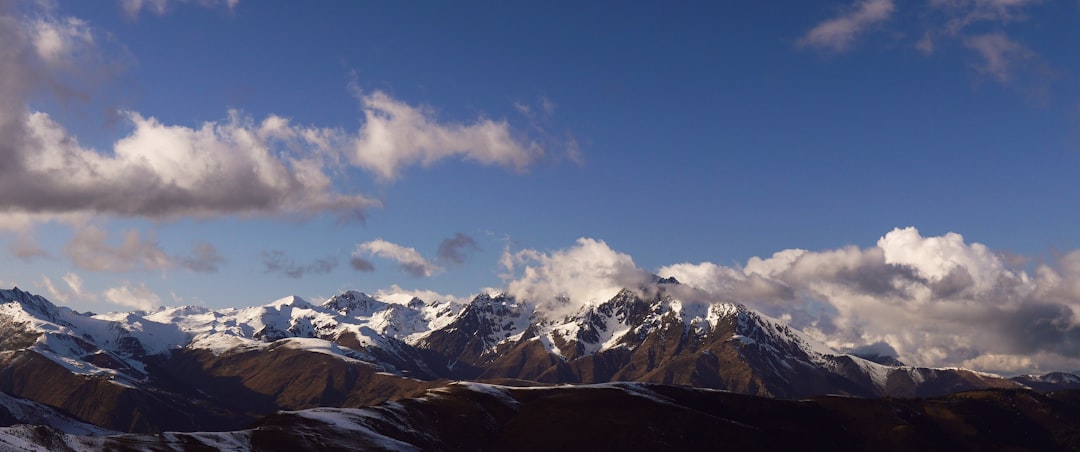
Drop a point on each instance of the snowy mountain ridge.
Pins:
(193, 368)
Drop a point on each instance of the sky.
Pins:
(894, 176)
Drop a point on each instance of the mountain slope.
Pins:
(634, 416)
(193, 368)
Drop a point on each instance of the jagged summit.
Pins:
(350, 302)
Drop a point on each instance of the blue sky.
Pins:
(698, 132)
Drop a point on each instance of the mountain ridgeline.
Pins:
(198, 369)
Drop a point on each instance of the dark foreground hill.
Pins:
(632, 416)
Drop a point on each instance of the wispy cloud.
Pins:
(91, 249)
(276, 261)
(838, 34)
(205, 259)
(410, 260)
(133, 296)
(26, 248)
(999, 55)
(73, 292)
(360, 264)
(962, 13)
(55, 293)
(454, 250)
(159, 7)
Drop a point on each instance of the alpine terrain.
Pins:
(399, 372)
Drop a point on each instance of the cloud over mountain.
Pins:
(935, 301)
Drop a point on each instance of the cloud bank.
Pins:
(932, 301)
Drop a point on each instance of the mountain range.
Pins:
(189, 369)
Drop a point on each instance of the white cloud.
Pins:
(396, 134)
(132, 296)
(561, 281)
(235, 166)
(166, 172)
(838, 34)
(936, 258)
(410, 260)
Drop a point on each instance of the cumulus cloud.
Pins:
(454, 249)
(838, 34)
(276, 261)
(562, 281)
(133, 296)
(930, 300)
(166, 172)
(159, 7)
(396, 134)
(410, 260)
(234, 166)
(160, 171)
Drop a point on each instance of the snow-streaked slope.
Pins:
(30, 412)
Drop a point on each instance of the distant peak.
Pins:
(36, 304)
(351, 301)
(668, 280)
(291, 300)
